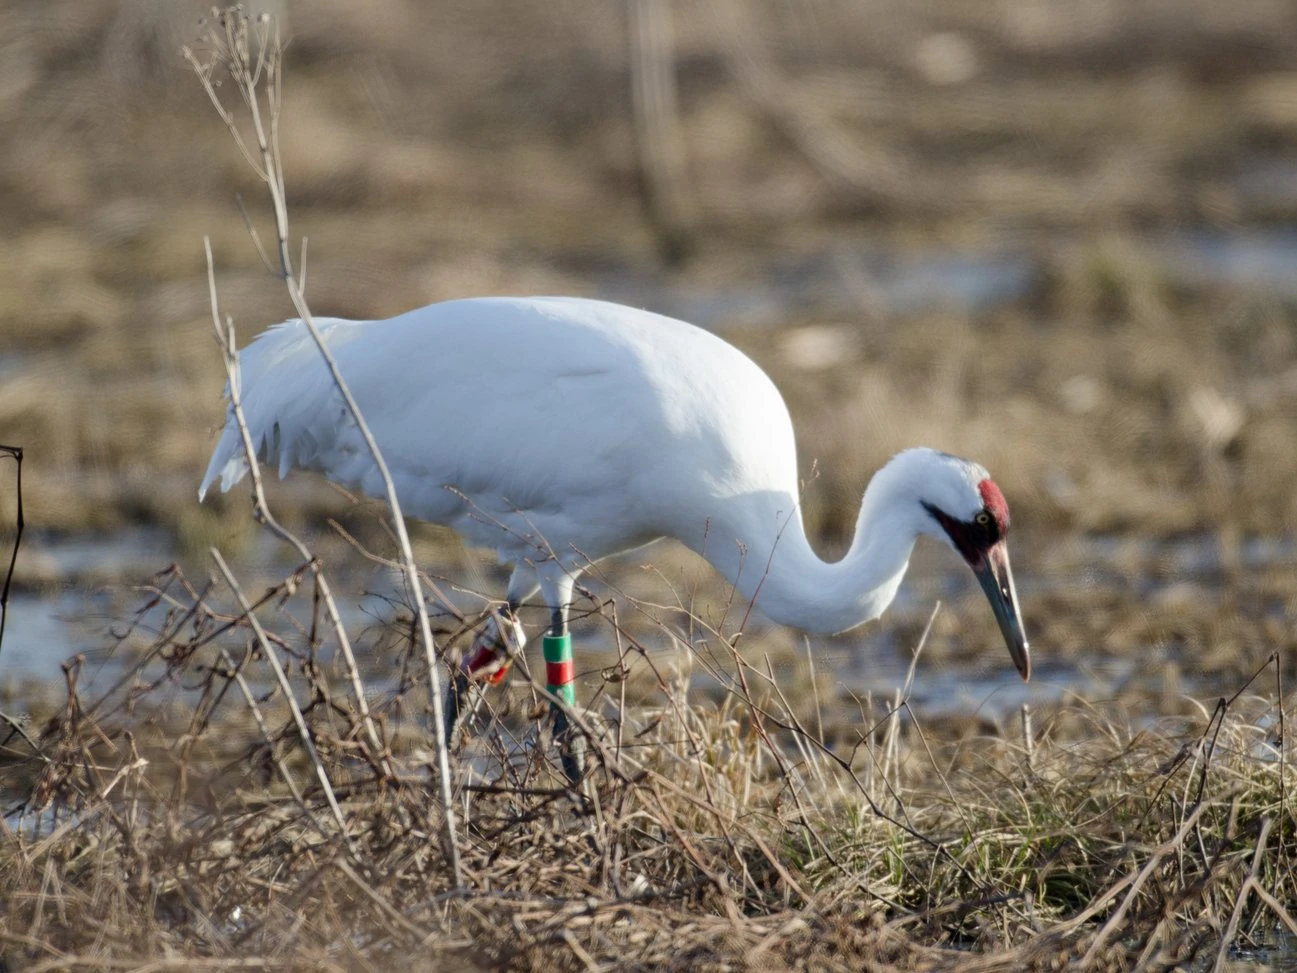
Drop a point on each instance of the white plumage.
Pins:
(561, 430)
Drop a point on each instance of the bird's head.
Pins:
(960, 504)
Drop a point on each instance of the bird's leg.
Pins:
(559, 676)
(487, 661)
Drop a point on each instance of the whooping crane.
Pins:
(562, 430)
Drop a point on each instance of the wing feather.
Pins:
(295, 414)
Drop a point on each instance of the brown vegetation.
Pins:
(198, 814)
(178, 821)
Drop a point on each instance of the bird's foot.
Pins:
(500, 640)
(571, 748)
(487, 662)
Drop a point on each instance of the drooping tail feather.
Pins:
(290, 403)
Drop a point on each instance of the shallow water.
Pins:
(1276, 951)
(78, 610)
(888, 284)
(81, 612)
(850, 276)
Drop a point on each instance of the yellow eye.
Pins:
(983, 519)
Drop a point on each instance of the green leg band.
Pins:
(559, 669)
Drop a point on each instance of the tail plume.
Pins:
(293, 410)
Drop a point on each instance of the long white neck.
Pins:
(775, 567)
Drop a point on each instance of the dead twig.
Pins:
(17, 453)
(290, 698)
(231, 49)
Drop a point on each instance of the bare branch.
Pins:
(235, 56)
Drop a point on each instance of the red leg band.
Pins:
(560, 673)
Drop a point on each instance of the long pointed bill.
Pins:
(997, 581)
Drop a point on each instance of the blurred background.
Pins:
(1056, 236)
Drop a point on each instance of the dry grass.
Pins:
(154, 824)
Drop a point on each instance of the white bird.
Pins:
(561, 430)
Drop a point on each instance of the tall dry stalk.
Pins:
(257, 76)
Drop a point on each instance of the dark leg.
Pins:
(487, 661)
(558, 676)
(456, 705)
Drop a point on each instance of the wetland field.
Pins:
(1059, 238)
